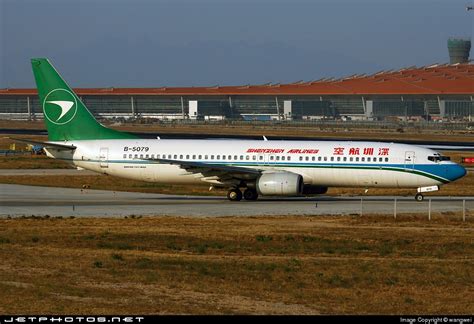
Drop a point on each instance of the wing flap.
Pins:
(212, 171)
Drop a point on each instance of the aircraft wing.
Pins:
(45, 144)
(213, 171)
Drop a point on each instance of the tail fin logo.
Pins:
(60, 106)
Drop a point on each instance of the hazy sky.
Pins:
(144, 43)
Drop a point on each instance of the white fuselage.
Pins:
(322, 163)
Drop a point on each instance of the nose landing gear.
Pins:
(419, 195)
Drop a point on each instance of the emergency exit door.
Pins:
(409, 160)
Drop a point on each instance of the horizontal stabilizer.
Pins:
(45, 144)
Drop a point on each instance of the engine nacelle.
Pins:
(314, 190)
(280, 184)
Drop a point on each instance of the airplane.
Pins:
(246, 168)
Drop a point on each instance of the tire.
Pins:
(419, 197)
(234, 195)
(250, 194)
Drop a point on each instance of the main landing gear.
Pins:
(250, 194)
(419, 197)
(235, 194)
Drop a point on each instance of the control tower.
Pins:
(459, 49)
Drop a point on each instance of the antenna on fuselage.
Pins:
(265, 138)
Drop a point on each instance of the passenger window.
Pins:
(260, 157)
(313, 158)
(175, 156)
(212, 157)
(319, 158)
(141, 156)
(200, 157)
(218, 157)
(362, 159)
(254, 157)
(288, 158)
(153, 156)
(325, 158)
(146, 156)
(332, 158)
(278, 158)
(125, 156)
(307, 158)
(344, 159)
(157, 156)
(235, 157)
(357, 159)
(368, 159)
(380, 159)
(241, 157)
(271, 157)
(351, 159)
(130, 156)
(301, 158)
(338, 158)
(181, 157)
(194, 157)
(136, 156)
(247, 157)
(386, 159)
(223, 157)
(283, 158)
(205, 157)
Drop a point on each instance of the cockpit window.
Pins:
(439, 158)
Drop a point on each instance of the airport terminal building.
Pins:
(435, 92)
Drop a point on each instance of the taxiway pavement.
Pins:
(20, 200)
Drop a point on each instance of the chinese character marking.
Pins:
(383, 150)
(354, 151)
(338, 151)
(369, 151)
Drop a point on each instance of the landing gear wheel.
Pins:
(234, 195)
(419, 197)
(250, 194)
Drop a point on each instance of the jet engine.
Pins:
(280, 184)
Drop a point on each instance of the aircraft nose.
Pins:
(455, 172)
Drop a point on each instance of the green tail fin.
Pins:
(65, 116)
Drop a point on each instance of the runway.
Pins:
(19, 200)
